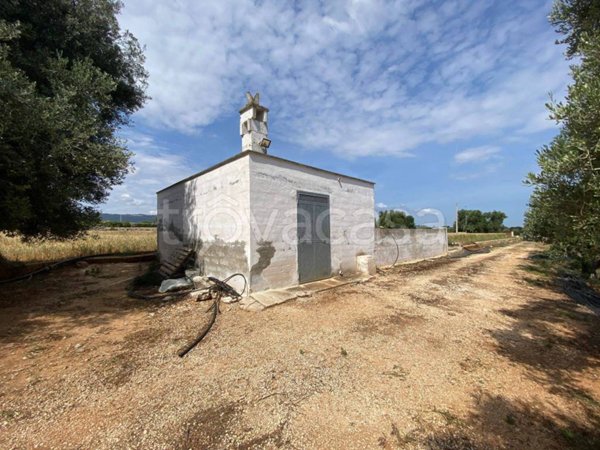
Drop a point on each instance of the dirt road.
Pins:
(476, 352)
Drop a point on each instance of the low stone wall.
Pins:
(398, 245)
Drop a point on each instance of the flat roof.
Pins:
(274, 158)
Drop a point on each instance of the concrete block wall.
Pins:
(274, 186)
(211, 213)
(242, 217)
(409, 244)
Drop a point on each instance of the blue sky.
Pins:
(437, 102)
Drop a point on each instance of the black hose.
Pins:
(161, 296)
(219, 289)
(132, 294)
(55, 265)
(238, 275)
(397, 249)
(215, 309)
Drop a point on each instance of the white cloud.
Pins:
(155, 168)
(476, 154)
(477, 172)
(381, 205)
(353, 77)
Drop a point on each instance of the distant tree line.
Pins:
(395, 219)
(475, 221)
(117, 224)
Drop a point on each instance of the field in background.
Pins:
(123, 240)
(133, 240)
(468, 238)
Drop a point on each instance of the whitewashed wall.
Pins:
(210, 213)
(408, 245)
(274, 185)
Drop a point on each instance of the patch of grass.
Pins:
(586, 399)
(343, 352)
(580, 439)
(535, 282)
(539, 268)
(8, 414)
(93, 271)
(123, 240)
(573, 315)
(510, 419)
(469, 238)
(568, 434)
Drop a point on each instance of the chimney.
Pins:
(253, 125)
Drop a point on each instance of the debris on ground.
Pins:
(469, 249)
(201, 282)
(581, 292)
(175, 284)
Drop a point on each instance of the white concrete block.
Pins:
(365, 264)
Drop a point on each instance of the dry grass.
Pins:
(468, 238)
(121, 240)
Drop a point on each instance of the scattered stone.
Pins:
(201, 282)
(176, 284)
(229, 299)
(204, 295)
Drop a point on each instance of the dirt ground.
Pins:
(478, 352)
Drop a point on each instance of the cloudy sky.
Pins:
(437, 102)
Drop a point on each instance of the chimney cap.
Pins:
(253, 102)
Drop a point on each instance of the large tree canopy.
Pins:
(395, 219)
(69, 78)
(577, 20)
(565, 204)
(475, 221)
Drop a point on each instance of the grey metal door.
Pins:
(314, 246)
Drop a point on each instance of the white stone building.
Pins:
(278, 222)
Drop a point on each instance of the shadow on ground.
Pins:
(556, 340)
(66, 300)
